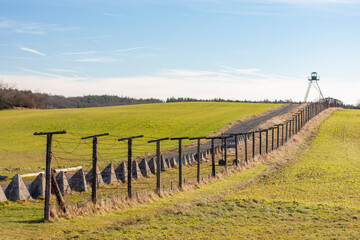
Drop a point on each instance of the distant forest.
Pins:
(172, 99)
(10, 98)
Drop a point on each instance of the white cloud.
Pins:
(79, 53)
(128, 49)
(96, 60)
(113, 15)
(32, 51)
(61, 70)
(226, 82)
(40, 73)
(31, 27)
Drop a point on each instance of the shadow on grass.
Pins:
(32, 221)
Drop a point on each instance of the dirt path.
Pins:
(239, 128)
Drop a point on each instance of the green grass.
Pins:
(315, 198)
(21, 152)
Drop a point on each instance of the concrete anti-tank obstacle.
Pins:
(136, 173)
(167, 160)
(192, 157)
(152, 165)
(78, 182)
(17, 190)
(89, 177)
(108, 174)
(144, 168)
(173, 162)
(217, 150)
(2, 195)
(203, 156)
(63, 183)
(163, 164)
(188, 159)
(121, 172)
(208, 152)
(37, 187)
(183, 160)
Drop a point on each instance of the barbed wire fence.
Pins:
(134, 165)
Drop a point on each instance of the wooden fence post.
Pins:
(277, 136)
(130, 139)
(57, 192)
(236, 136)
(272, 138)
(246, 150)
(180, 159)
(267, 141)
(260, 135)
(49, 138)
(158, 164)
(94, 166)
(282, 134)
(198, 156)
(253, 144)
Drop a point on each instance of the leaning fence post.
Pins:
(57, 192)
(158, 164)
(180, 159)
(49, 136)
(198, 156)
(130, 139)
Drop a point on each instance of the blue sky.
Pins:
(234, 49)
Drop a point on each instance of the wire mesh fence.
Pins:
(130, 167)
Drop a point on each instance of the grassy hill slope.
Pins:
(22, 152)
(312, 194)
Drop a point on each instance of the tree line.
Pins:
(173, 99)
(11, 97)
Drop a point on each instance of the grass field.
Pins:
(316, 197)
(21, 152)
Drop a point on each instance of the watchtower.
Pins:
(313, 81)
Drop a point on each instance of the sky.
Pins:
(232, 49)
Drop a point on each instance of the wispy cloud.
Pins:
(79, 53)
(32, 51)
(113, 15)
(96, 60)
(225, 82)
(61, 70)
(91, 38)
(8, 25)
(274, 7)
(40, 73)
(128, 49)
